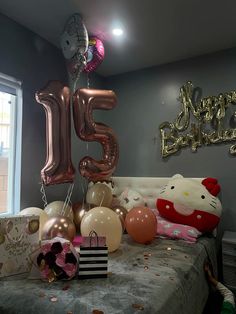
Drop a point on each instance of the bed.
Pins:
(164, 277)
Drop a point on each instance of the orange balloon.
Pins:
(141, 224)
(99, 194)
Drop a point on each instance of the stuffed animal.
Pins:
(130, 199)
(191, 202)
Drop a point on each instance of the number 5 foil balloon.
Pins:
(55, 98)
(85, 101)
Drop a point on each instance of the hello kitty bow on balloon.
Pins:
(191, 202)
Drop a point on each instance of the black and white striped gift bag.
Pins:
(93, 262)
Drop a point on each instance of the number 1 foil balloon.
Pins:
(95, 54)
(58, 168)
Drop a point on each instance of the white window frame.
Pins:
(14, 162)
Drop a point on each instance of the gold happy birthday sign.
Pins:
(209, 111)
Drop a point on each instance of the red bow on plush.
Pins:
(211, 185)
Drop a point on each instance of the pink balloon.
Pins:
(95, 54)
(141, 224)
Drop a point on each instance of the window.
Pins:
(10, 144)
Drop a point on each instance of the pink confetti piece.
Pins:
(53, 299)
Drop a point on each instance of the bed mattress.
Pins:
(165, 277)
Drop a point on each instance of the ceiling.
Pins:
(155, 31)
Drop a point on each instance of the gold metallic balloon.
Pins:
(100, 195)
(59, 226)
(115, 201)
(79, 210)
(33, 226)
(55, 209)
(121, 212)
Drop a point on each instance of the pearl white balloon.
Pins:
(105, 222)
(43, 217)
(55, 209)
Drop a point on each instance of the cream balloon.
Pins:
(39, 212)
(99, 194)
(105, 222)
(55, 209)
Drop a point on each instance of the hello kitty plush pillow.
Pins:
(130, 199)
(190, 202)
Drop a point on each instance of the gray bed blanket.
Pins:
(164, 277)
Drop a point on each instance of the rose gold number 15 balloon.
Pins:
(55, 98)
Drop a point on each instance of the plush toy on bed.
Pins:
(130, 199)
(191, 202)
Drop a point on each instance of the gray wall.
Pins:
(149, 97)
(145, 99)
(32, 60)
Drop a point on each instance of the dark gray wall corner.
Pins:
(147, 98)
(32, 60)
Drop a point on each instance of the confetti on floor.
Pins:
(97, 312)
(41, 294)
(138, 306)
(53, 299)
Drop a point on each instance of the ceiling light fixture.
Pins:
(117, 31)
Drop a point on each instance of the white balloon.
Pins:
(105, 222)
(43, 217)
(55, 209)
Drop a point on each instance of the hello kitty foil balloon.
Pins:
(191, 202)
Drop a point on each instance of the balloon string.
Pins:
(86, 185)
(67, 200)
(84, 190)
(44, 197)
(82, 60)
(88, 81)
(102, 199)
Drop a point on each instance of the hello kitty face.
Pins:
(74, 38)
(188, 201)
(130, 199)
